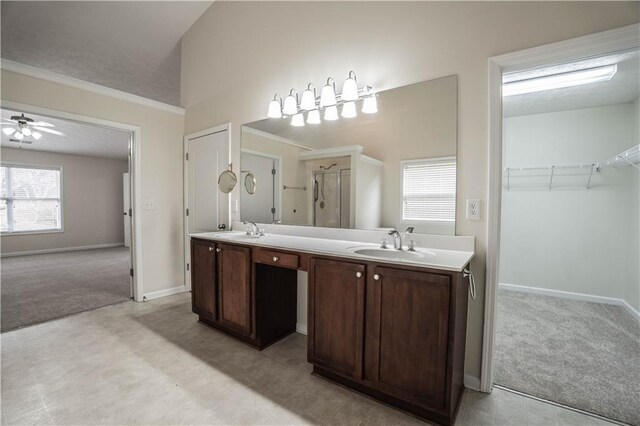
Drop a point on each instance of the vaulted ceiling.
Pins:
(133, 46)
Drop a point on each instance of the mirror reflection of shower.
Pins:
(331, 196)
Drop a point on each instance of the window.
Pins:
(429, 190)
(30, 198)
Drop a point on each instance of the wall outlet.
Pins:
(149, 204)
(473, 209)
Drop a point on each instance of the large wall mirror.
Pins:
(394, 168)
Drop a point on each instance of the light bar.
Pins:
(559, 81)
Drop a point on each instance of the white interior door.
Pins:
(206, 207)
(126, 203)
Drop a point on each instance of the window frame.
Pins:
(426, 222)
(61, 199)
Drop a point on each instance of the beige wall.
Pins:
(161, 158)
(91, 204)
(239, 53)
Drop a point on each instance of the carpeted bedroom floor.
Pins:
(580, 354)
(43, 287)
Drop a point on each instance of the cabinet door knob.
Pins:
(376, 277)
(218, 250)
(358, 274)
(210, 248)
(275, 258)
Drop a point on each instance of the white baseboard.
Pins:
(301, 328)
(574, 296)
(61, 250)
(163, 293)
(472, 382)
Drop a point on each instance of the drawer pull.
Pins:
(358, 274)
(218, 250)
(275, 258)
(376, 277)
(210, 248)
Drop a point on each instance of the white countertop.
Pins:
(435, 258)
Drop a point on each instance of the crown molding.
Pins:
(42, 74)
(275, 138)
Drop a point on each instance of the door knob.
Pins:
(358, 274)
(275, 258)
(218, 250)
(376, 277)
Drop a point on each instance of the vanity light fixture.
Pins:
(331, 113)
(291, 103)
(275, 107)
(349, 110)
(313, 117)
(350, 88)
(328, 94)
(370, 105)
(308, 100)
(559, 81)
(297, 120)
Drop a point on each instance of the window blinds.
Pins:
(30, 198)
(429, 190)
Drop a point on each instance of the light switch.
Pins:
(473, 209)
(149, 204)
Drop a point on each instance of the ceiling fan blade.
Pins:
(44, 129)
(42, 124)
(6, 120)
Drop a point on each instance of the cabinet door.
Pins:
(203, 278)
(408, 313)
(234, 283)
(336, 316)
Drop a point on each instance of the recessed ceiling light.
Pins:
(559, 81)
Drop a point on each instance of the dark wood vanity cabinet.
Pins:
(203, 278)
(234, 284)
(396, 333)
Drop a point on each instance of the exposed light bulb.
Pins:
(313, 117)
(370, 105)
(331, 113)
(328, 94)
(26, 131)
(350, 88)
(349, 110)
(8, 130)
(275, 108)
(297, 120)
(36, 135)
(19, 136)
(290, 103)
(308, 100)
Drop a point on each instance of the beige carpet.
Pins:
(43, 287)
(580, 354)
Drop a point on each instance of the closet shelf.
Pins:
(549, 174)
(630, 157)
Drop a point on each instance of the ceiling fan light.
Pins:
(19, 136)
(350, 88)
(290, 104)
(349, 110)
(36, 135)
(331, 113)
(297, 120)
(328, 94)
(370, 105)
(275, 108)
(8, 131)
(308, 100)
(313, 117)
(26, 131)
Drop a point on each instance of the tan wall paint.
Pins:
(91, 204)
(238, 54)
(161, 158)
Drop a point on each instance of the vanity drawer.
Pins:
(276, 258)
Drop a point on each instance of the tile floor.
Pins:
(152, 363)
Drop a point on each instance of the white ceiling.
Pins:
(79, 139)
(622, 88)
(133, 46)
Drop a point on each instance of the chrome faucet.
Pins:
(397, 239)
(255, 230)
(409, 230)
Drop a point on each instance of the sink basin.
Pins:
(389, 253)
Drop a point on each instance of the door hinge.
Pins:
(130, 213)
(187, 266)
(131, 272)
(273, 210)
(129, 151)
(187, 212)
(273, 171)
(186, 156)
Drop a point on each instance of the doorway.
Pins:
(263, 204)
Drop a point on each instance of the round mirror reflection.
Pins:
(250, 183)
(227, 181)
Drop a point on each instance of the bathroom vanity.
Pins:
(391, 327)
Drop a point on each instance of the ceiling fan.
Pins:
(27, 127)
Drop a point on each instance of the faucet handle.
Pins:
(383, 243)
(412, 245)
